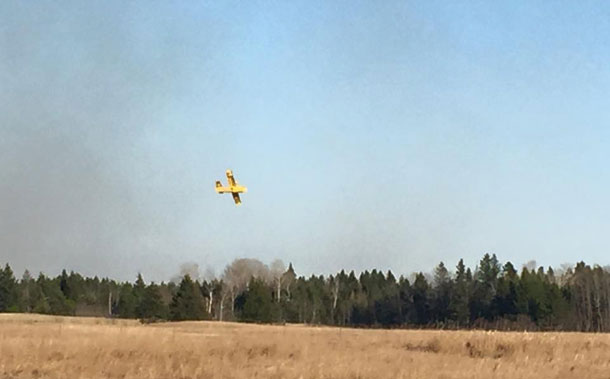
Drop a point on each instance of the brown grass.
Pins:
(63, 347)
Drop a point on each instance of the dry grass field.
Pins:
(33, 346)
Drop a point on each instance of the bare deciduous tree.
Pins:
(238, 273)
(277, 271)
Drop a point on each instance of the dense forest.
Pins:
(492, 296)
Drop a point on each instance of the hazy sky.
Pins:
(370, 134)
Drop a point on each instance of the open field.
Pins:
(33, 346)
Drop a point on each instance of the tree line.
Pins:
(492, 296)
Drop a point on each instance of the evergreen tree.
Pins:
(126, 307)
(534, 295)
(257, 305)
(505, 302)
(51, 299)
(371, 285)
(138, 290)
(405, 296)
(421, 303)
(63, 284)
(460, 298)
(485, 287)
(442, 294)
(75, 287)
(8, 290)
(387, 309)
(152, 307)
(187, 303)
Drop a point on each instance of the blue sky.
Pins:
(386, 135)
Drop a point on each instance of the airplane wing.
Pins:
(230, 178)
(236, 198)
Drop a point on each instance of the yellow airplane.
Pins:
(233, 188)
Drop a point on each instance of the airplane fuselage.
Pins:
(233, 188)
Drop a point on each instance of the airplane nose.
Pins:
(229, 172)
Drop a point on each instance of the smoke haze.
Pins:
(81, 97)
(388, 137)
